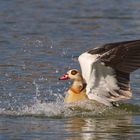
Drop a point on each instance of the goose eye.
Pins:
(73, 72)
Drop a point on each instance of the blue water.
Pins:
(40, 40)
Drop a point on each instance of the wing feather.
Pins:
(107, 69)
(99, 78)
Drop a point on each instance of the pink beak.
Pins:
(64, 77)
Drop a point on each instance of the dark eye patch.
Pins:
(73, 72)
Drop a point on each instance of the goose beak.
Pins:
(64, 77)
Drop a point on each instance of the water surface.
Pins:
(39, 41)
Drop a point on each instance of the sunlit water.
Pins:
(39, 41)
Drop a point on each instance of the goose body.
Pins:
(106, 71)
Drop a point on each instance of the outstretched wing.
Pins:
(106, 70)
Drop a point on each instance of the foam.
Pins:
(55, 109)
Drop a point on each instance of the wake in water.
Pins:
(53, 109)
(60, 109)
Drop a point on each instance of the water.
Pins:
(39, 41)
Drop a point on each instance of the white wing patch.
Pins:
(99, 78)
(86, 60)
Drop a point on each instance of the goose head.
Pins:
(77, 91)
(73, 74)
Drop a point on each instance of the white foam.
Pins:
(46, 109)
(55, 109)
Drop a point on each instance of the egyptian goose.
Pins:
(106, 71)
(77, 92)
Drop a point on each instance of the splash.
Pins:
(58, 109)
(55, 109)
(51, 109)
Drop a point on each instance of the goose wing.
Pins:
(107, 69)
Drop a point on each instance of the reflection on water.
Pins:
(93, 128)
(119, 127)
(39, 41)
